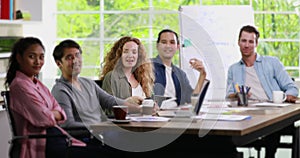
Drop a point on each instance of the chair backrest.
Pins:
(99, 82)
(5, 95)
(15, 147)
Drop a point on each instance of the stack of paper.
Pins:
(222, 117)
(150, 119)
(267, 104)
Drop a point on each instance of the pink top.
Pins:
(32, 103)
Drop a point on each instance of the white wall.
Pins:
(46, 31)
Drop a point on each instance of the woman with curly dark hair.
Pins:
(127, 71)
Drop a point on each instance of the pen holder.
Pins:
(242, 99)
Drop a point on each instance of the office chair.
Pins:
(108, 113)
(99, 82)
(15, 146)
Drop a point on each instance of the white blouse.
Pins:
(138, 91)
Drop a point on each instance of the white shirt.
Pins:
(257, 91)
(170, 87)
(138, 91)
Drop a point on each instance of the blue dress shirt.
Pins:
(270, 72)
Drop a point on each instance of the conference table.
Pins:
(239, 133)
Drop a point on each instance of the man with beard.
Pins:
(263, 74)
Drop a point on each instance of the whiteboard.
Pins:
(210, 33)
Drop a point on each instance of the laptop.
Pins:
(188, 113)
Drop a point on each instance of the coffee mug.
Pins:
(279, 96)
(149, 102)
(120, 112)
(147, 106)
(147, 109)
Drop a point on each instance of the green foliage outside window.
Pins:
(276, 20)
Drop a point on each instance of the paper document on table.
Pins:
(212, 110)
(150, 119)
(267, 104)
(222, 117)
(169, 104)
(166, 113)
(227, 110)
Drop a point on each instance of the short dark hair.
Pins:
(167, 30)
(58, 52)
(249, 29)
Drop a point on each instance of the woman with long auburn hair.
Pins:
(127, 71)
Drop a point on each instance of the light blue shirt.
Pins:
(270, 72)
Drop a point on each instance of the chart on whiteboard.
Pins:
(210, 33)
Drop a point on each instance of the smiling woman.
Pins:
(35, 110)
(127, 71)
(97, 23)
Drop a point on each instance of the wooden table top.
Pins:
(283, 117)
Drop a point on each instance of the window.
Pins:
(96, 24)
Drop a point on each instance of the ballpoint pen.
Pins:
(248, 89)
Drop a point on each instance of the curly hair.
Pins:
(142, 71)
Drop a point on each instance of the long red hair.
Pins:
(142, 71)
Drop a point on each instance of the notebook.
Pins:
(188, 113)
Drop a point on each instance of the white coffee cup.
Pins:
(147, 110)
(279, 96)
(149, 102)
(147, 107)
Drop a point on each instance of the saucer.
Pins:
(121, 121)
